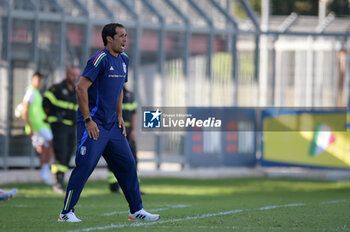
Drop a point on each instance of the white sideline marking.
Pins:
(278, 206)
(150, 210)
(21, 206)
(255, 228)
(138, 224)
(332, 202)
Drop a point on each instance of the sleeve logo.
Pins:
(124, 67)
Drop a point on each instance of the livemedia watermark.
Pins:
(243, 119)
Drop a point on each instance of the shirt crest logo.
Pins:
(83, 150)
(124, 67)
(111, 68)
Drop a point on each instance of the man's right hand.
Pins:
(92, 129)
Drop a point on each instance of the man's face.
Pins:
(37, 82)
(119, 40)
(72, 75)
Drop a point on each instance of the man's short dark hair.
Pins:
(38, 74)
(109, 30)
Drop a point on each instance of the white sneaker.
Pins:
(6, 195)
(68, 217)
(143, 215)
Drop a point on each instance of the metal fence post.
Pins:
(8, 81)
(160, 68)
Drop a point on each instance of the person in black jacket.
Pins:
(61, 106)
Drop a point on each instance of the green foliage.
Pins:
(256, 5)
(301, 7)
(189, 205)
(340, 7)
(238, 10)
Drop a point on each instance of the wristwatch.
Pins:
(88, 119)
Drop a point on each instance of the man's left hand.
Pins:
(121, 124)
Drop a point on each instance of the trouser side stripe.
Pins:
(70, 193)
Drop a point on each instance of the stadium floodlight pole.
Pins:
(234, 46)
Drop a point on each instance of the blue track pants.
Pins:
(115, 149)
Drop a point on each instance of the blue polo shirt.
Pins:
(108, 75)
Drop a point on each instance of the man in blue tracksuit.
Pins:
(100, 125)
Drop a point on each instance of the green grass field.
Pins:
(253, 204)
